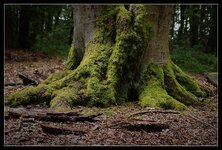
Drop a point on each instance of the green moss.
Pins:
(56, 76)
(24, 97)
(174, 88)
(152, 92)
(60, 104)
(187, 82)
(72, 62)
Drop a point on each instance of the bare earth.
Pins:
(128, 124)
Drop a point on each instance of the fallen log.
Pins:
(51, 116)
(57, 130)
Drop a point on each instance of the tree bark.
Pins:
(181, 28)
(119, 54)
(9, 27)
(24, 27)
(194, 26)
(212, 37)
(84, 17)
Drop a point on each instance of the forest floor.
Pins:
(128, 124)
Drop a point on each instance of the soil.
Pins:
(128, 124)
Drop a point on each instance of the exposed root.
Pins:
(174, 88)
(153, 93)
(187, 82)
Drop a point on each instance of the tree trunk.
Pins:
(212, 37)
(173, 22)
(9, 27)
(24, 27)
(194, 26)
(122, 54)
(181, 28)
(84, 17)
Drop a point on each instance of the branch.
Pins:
(26, 80)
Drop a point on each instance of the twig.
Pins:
(201, 121)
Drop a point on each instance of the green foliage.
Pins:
(194, 60)
(54, 42)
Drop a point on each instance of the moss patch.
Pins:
(174, 88)
(153, 93)
(72, 61)
(187, 82)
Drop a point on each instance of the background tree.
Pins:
(189, 46)
(31, 26)
(121, 50)
(212, 37)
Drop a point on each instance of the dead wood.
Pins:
(13, 84)
(57, 130)
(154, 111)
(71, 113)
(52, 116)
(211, 81)
(13, 114)
(26, 80)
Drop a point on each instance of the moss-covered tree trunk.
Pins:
(125, 56)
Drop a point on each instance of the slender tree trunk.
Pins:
(173, 22)
(24, 27)
(123, 53)
(181, 28)
(194, 26)
(9, 27)
(212, 38)
(202, 24)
